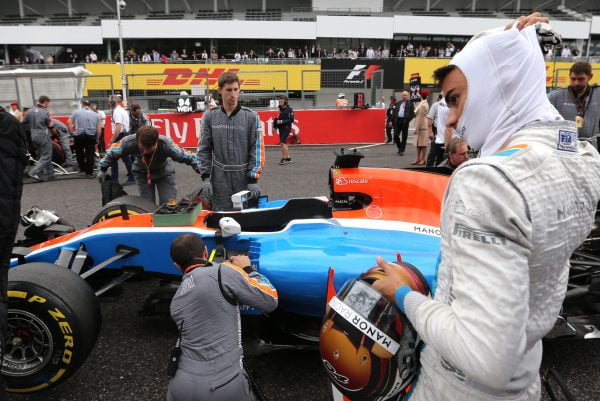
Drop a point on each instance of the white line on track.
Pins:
(367, 146)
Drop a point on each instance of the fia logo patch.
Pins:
(567, 141)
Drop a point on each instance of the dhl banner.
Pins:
(177, 77)
(311, 126)
(557, 73)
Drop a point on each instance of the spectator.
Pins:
(50, 59)
(389, 119)
(362, 51)
(270, 53)
(450, 50)
(164, 59)
(40, 59)
(458, 153)
(120, 126)
(101, 140)
(27, 60)
(253, 55)
(237, 56)
(174, 55)
(245, 56)
(195, 56)
(436, 133)
(155, 56)
(370, 52)
(566, 52)
(93, 57)
(15, 111)
(341, 101)
(421, 129)
(74, 58)
(146, 58)
(184, 56)
(281, 53)
(405, 112)
(291, 53)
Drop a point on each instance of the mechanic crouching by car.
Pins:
(153, 169)
(510, 221)
(205, 308)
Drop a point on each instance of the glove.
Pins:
(206, 189)
(254, 189)
(101, 176)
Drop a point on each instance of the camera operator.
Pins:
(205, 307)
(283, 124)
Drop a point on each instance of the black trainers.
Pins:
(288, 160)
(282, 162)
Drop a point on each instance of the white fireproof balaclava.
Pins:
(506, 78)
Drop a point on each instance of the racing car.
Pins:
(306, 247)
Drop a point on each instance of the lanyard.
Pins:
(147, 166)
(192, 267)
(582, 105)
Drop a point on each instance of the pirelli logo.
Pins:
(485, 237)
(355, 319)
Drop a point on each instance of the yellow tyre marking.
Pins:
(27, 390)
(17, 294)
(58, 375)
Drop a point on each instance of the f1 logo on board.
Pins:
(186, 77)
(359, 73)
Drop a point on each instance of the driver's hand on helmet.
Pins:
(395, 277)
(525, 21)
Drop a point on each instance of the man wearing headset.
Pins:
(283, 124)
(206, 308)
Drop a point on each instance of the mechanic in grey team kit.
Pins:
(205, 308)
(231, 150)
(510, 222)
(153, 169)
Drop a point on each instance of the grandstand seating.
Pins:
(163, 15)
(211, 14)
(12, 19)
(270, 14)
(433, 12)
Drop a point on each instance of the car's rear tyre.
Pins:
(53, 322)
(58, 154)
(134, 204)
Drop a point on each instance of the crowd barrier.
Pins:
(312, 126)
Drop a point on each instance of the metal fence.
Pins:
(332, 84)
(376, 86)
(66, 93)
(9, 91)
(260, 89)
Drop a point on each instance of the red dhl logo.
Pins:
(185, 76)
(551, 80)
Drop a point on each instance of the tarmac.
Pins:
(129, 360)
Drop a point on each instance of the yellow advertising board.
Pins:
(256, 77)
(557, 73)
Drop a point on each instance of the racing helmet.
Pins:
(341, 95)
(368, 347)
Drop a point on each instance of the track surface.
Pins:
(129, 360)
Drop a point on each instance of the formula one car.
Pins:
(54, 315)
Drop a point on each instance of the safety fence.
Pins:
(9, 91)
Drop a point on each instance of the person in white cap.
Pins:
(510, 221)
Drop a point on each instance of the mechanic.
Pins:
(120, 128)
(39, 121)
(580, 101)
(231, 151)
(458, 153)
(206, 308)
(510, 221)
(283, 124)
(341, 101)
(86, 133)
(13, 159)
(62, 132)
(101, 141)
(153, 167)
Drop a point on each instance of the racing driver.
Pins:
(510, 221)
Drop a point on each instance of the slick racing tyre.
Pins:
(53, 323)
(134, 204)
(58, 154)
